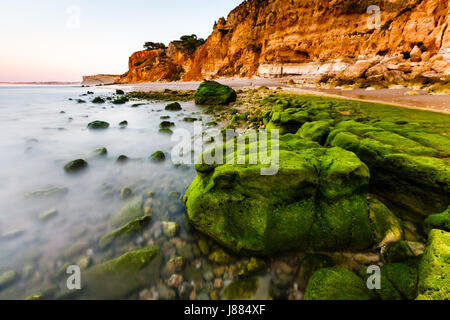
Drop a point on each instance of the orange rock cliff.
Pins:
(311, 37)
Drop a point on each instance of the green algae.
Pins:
(123, 234)
(214, 93)
(438, 221)
(337, 283)
(241, 289)
(118, 278)
(132, 210)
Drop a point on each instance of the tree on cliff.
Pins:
(154, 45)
(191, 42)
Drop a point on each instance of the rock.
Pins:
(12, 234)
(358, 69)
(34, 297)
(316, 131)
(98, 100)
(101, 152)
(208, 275)
(47, 215)
(174, 265)
(203, 246)
(241, 289)
(378, 70)
(7, 278)
(124, 233)
(158, 156)
(84, 262)
(166, 293)
(166, 124)
(75, 166)
(219, 257)
(125, 193)
(119, 92)
(121, 100)
(116, 279)
(434, 268)
(170, 228)
(175, 106)
(165, 131)
(441, 66)
(184, 291)
(48, 193)
(438, 221)
(337, 283)
(132, 210)
(309, 265)
(415, 54)
(189, 119)
(398, 281)
(214, 93)
(96, 125)
(425, 56)
(332, 214)
(404, 164)
(175, 281)
(80, 101)
(394, 76)
(123, 124)
(399, 251)
(255, 265)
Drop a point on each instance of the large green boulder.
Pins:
(118, 278)
(434, 268)
(124, 233)
(408, 174)
(214, 93)
(316, 201)
(337, 283)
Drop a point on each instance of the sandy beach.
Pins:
(394, 96)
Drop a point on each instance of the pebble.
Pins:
(218, 283)
(175, 281)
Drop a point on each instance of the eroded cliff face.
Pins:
(279, 37)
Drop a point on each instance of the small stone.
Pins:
(203, 296)
(120, 92)
(75, 166)
(208, 276)
(122, 158)
(96, 125)
(35, 297)
(184, 291)
(219, 256)
(101, 152)
(47, 215)
(174, 265)
(170, 228)
(214, 295)
(175, 281)
(84, 262)
(7, 278)
(123, 124)
(203, 246)
(158, 156)
(173, 107)
(98, 100)
(219, 271)
(218, 283)
(125, 193)
(166, 293)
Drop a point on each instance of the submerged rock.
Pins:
(130, 211)
(242, 289)
(125, 193)
(100, 152)
(175, 106)
(122, 158)
(75, 166)
(47, 215)
(158, 156)
(166, 124)
(212, 93)
(123, 124)
(48, 193)
(309, 265)
(120, 92)
(124, 233)
(166, 131)
(116, 279)
(95, 125)
(316, 201)
(98, 100)
(170, 228)
(434, 268)
(7, 278)
(337, 283)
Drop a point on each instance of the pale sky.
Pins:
(61, 40)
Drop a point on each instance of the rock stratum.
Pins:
(305, 37)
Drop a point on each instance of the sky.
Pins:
(61, 40)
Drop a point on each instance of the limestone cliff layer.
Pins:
(276, 37)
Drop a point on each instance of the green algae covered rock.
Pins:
(438, 221)
(337, 283)
(434, 268)
(241, 289)
(408, 174)
(124, 233)
(130, 211)
(7, 278)
(316, 131)
(158, 156)
(399, 251)
(75, 166)
(309, 265)
(118, 278)
(96, 125)
(214, 93)
(174, 106)
(316, 201)
(398, 281)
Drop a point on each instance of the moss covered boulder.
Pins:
(434, 268)
(175, 106)
(316, 201)
(118, 278)
(438, 221)
(316, 131)
(214, 93)
(75, 166)
(337, 283)
(408, 173)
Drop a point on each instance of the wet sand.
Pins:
(394, 96)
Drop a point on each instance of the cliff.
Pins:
(100, 79)
(279, 37)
